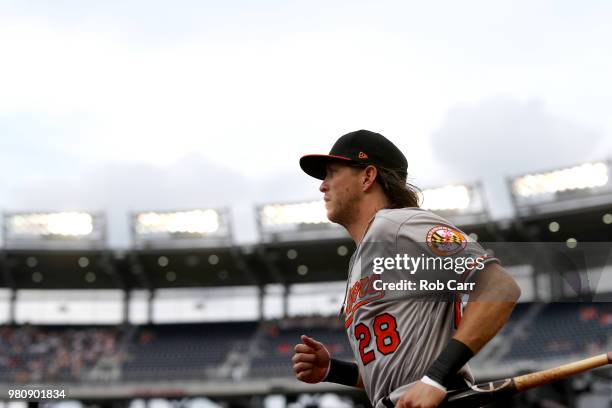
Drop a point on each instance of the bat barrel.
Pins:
(527, 381)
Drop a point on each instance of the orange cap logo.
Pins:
(362, 155)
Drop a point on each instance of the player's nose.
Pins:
(323, 187)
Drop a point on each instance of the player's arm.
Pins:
(487, 311)
(488, 308)
(312, 363)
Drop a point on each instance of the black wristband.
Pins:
(452, 358)
(342, 372)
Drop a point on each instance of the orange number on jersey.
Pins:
(385, 330)
(387, 337)
(362, 333)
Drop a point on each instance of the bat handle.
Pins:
(388, 403)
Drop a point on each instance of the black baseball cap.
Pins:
(360, 147)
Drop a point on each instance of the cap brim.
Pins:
(315, 164)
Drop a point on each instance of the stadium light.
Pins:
(190, 228)
(586, 184)
(463, 204)
(584, 176)
(63, 223)
(70, 229)
(296, 221)
(188, 222)
(453, 197)
(312, 212)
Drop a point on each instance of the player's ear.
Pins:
(369, 177)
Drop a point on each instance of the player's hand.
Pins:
(421, 395)
(310, 361)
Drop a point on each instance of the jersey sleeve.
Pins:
(442, 246)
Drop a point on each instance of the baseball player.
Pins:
(405, 312)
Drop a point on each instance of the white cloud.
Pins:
(500, 137)
(250, 88)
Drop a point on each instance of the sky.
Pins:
(125, 106)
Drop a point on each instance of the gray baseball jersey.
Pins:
(404, 296)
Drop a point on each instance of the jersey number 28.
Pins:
(385, 332)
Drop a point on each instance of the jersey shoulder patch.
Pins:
(445, 241)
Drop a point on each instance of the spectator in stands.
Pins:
(37, 354)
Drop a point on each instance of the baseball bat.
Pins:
(486, 393)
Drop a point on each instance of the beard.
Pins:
(343, 211)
